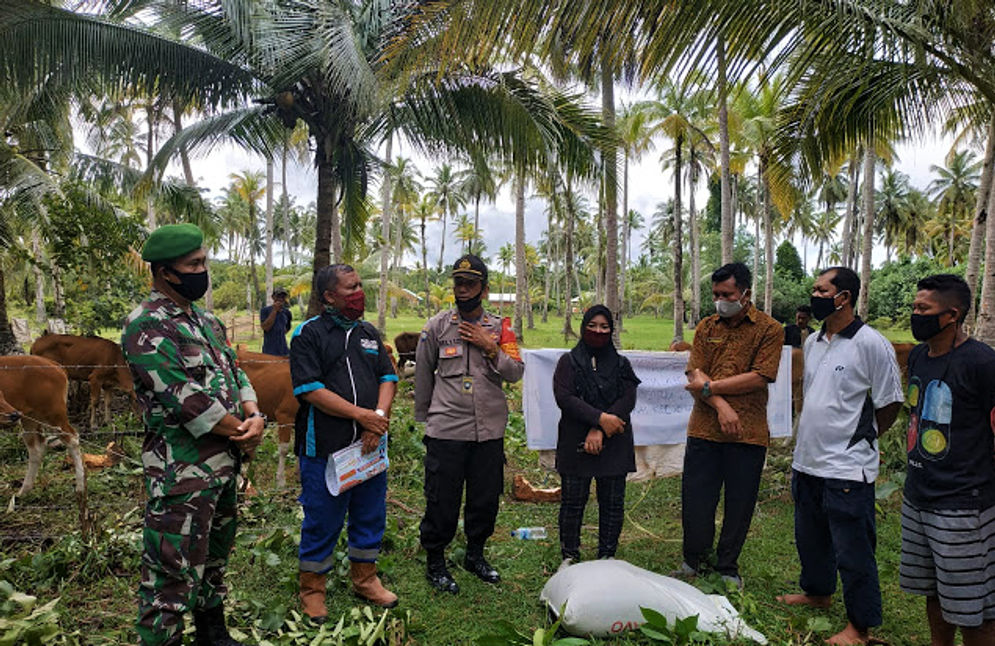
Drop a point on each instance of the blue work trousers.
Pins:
(324, 515)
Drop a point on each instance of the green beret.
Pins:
(172, 241)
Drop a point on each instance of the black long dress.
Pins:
(578, 416)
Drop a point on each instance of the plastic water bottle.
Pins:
(529, 533)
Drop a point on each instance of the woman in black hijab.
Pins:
(595, 389)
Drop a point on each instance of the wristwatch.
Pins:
(706, 390)
(380, 412)
(258, 414)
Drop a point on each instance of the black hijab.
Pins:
(599, 372)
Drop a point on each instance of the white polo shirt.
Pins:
(846, 380)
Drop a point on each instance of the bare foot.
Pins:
(805, 600)
(849, 636)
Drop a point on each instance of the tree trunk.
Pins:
(986, 316)
(268, 296)
(58, 293)
(149, 154)
(624, 251)
(385, 242)
(8, 344)
(678, 244)
(442, 247)
(476, 225)
(768, 240)
(849, 225)
(184, 155)
(529, 315)
(568, 263)
(611, 197)
(728, 223)
(520, 268)
(323, 228)
(981, 210)
(695, 250)
(288, 250)
(40, 315)
(868, 234)
(424, 266)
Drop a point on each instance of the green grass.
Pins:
(95, 580)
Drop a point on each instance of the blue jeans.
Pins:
(324, 515)
(835, 530)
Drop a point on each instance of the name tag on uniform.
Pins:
(715, 339)
(468, 385)
(451, 351)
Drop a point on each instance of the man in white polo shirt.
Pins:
(852, 393)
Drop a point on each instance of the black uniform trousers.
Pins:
(448, 465)
(710, 467)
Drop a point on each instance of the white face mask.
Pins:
(727, 309)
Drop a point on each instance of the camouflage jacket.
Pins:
(187, 380)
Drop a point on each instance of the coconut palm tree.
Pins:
(955, 189)
(319, 63)
(476, 183)
(443, 190)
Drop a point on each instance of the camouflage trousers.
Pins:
(187, 541)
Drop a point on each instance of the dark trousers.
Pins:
(448, 465)
(708, 468)
(611, 512)
(835, 531)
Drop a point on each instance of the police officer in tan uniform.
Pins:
(464, 356)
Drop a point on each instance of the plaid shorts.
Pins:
(950, 554)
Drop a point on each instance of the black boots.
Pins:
(476, 564)
(438, 574)
(210, 625)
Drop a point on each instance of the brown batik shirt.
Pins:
(750, 343)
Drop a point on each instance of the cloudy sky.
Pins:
(648, 185)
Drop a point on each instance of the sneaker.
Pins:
(732, 580)
(684, 572)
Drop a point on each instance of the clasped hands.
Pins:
(728, 418)
(609, 425)
(250, 435)
(374, 426)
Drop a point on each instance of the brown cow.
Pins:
(270, 378)
(36, 388)
(92, 359)
(902, 351)
(405, 343)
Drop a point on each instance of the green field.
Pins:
(42, 554)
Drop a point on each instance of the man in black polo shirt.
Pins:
(796, 333)
(345, 383)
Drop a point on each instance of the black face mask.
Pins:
(926, 326)
(823, 306)
(467, 305)
(191, 286)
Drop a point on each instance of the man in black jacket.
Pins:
(345, 383)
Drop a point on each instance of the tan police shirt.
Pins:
(458, 390)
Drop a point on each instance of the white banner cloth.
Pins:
(663, 407)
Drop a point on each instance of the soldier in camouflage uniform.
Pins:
(201, 418)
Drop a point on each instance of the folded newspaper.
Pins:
(349, 466)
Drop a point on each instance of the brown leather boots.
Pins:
(313, 596)
(365, 583)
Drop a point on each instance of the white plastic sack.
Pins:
(603, 599)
